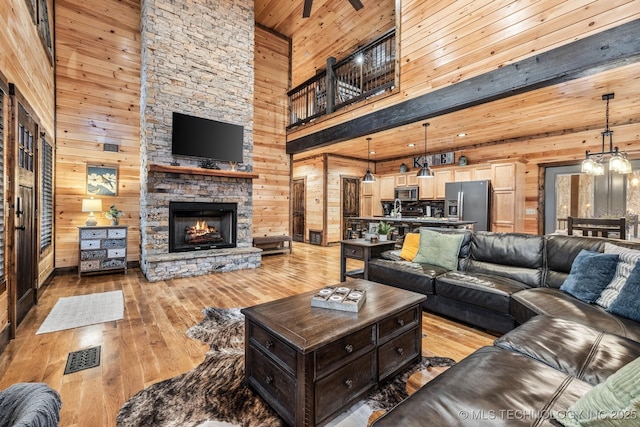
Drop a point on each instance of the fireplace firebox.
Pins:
(195, 226)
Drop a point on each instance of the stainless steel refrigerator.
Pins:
(469, 201)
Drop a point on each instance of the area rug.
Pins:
(83, 310)
(213, 394)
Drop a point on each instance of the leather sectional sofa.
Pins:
(556, 348)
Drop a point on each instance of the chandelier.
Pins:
(618, 161)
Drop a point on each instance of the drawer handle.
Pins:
(348, 348)
(348, 383)
(268, 380)
(400, 322)
(400, 350)
(269, 344)
(353, 251)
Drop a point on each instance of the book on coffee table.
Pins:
(339, 298)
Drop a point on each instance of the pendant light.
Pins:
(425, 171)
(368, 177)
(618, 161)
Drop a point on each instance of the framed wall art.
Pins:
(102, 180)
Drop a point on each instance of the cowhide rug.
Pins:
(213, 393)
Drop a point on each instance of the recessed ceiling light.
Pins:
(372, 152)
(411, 145)
(461, 134)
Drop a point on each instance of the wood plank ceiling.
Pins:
(569, 107)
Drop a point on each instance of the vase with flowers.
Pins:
(114, 215)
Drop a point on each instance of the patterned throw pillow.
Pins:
(626, 304)
(628, 260)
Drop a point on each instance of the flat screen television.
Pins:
(209, 139)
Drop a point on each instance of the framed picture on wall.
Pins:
(102, 180)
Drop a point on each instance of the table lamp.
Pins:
(91, 206)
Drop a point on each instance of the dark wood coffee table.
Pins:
(311, 363)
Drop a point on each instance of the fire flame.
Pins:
(201, 225)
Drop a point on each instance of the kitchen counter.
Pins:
(421, 221)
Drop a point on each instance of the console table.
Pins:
(102, 249)
(362, 250)
(310, 363)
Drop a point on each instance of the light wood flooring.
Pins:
(150, 344)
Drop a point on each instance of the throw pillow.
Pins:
(439, 249)
(410, 246)
(626, 304)
(628, 260)
(590, 273)
(615, 402)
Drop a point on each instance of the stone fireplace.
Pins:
(197, 226)
(195, 63)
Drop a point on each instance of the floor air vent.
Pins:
(83, 359)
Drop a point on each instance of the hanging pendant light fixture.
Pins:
(618, 161)
(425, 171)
(368, 177)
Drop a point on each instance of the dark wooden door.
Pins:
(25, 237)
(298, 201)
(350, 201)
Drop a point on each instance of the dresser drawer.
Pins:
(112, 263)
(398, 351)
(345, 385)
(274, 347)
(355, 252)
(114, 243)
(344, 347)
(90, 244)
(90, 265)
(279, 386)
(117, 233)
(116, 253)
(95, 254)
(98, 233)
(403, 320)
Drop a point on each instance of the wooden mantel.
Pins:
(202, 171)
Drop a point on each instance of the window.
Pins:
(46, 194)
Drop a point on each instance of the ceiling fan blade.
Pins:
(306, 10)
(357, 4)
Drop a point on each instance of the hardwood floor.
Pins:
(150, 344)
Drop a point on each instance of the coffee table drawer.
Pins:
(274, 347)
(279, 386)
(394, 354)
(354, 252)
(344, 347)
(403, 320)
(343, 386)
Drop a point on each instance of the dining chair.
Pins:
(614, 228)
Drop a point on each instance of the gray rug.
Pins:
(83, 310)
(213, 393)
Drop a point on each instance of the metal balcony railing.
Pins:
(368, 72)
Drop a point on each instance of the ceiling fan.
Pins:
(306, 11)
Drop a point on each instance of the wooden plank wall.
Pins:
(270, 161)
(98, 102)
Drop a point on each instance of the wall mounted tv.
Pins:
(209, 139)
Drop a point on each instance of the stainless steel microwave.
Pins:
(408, 194)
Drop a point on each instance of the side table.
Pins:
(362, 250)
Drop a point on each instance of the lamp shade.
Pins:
(91, 205)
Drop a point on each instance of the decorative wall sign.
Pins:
(435, 159)
(102, 180)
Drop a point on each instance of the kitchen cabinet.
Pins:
(462, 174)
(508, 181)
(409, 179)
(426, 189)
(387, 187)
(441, 177)
(482, 172)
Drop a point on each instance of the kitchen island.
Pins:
(360, 224)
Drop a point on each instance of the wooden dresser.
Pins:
(102, 249)
(311, 363)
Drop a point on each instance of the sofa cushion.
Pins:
(404, 274)
(627, 304)
(439, 249)
(628, 260)
(615, 402)
(593, 357)
(491, 387)
(591, 272)
(512, 255)
(528, 303)
(410, 246)
(482, 290)
(562, 250)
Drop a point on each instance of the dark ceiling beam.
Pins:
(306, 9)
(357, 4)
(594, 54)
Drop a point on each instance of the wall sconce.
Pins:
(618, 161)
(91, 205)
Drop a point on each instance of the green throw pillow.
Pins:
(615, 402)
(439, 249)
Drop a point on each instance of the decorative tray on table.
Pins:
(339, 298)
